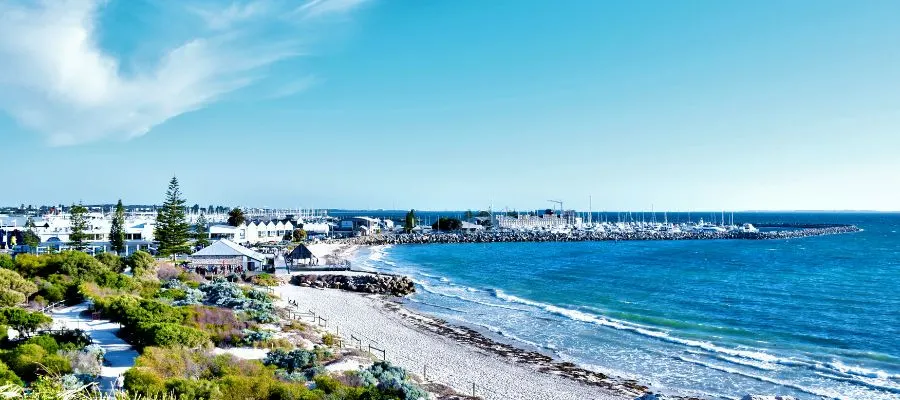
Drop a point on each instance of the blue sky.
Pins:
(690, 105)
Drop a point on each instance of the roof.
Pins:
(225, 247)
(469, 225)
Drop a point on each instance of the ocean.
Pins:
(812, 318)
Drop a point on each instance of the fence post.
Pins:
(425, 372)
(473, 389)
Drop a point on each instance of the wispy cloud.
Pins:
(56, 79)
(217, 17)
(316, 8)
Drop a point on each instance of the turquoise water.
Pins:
(813, 318)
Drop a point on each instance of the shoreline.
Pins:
(458, 357)
(531, 362)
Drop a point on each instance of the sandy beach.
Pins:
(368, 320)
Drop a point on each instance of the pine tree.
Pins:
(79, 224)
(117, 229)
(201, 231)
(172, 229)
(410, 221)
(29, 238)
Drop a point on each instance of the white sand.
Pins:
(244, 353)
(119, 354)
(348, 364)
(448, 361)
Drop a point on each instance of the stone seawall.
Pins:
(395, 285)
(800, 231)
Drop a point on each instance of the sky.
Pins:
(450, 105)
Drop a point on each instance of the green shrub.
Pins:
(144, 382)
(264, 279)
(190, 389)
(142, 264)
(8, 376)
(14, 289)
(30, 265)
(329, 339)
(47, 342)
(111, 260)
(28, 359)
(6, 261)
(169, 335)
(76, 264)
(391, 379)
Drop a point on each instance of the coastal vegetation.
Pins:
(175, 320)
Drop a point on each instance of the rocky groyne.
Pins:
(394, 285)
(789, 232)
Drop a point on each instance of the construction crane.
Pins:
(559, 203)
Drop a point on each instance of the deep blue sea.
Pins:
(813, 318)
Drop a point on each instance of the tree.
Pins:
(117, 229)
(201, 231)
(236, 217)
(24, 321)
(410, 222)
(195, 209)
(447, 224)
(31, 239)
(299, 235)
(79, 224)
(172, 230)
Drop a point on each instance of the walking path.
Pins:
(119, 354)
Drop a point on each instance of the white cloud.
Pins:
(315, 8)
(236, 12)
(56, 80)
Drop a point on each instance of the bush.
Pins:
(6, 261)
(189, 389)
(30, 265)
(76, 264)
(264, 280)
(182, 293)
(28, 359)
(222, 293)
(14, 289)
(142, 264)
(169, 335)
(295, 360)
(144, 382)
(220, 323)
(389, 378)
(328, 339)
(87, 361)
(7, 376)
(46, 342)
(255, 336)
(111, 260)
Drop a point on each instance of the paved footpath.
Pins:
(119, 354)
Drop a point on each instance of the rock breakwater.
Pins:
(789, 232)
(395, 285)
